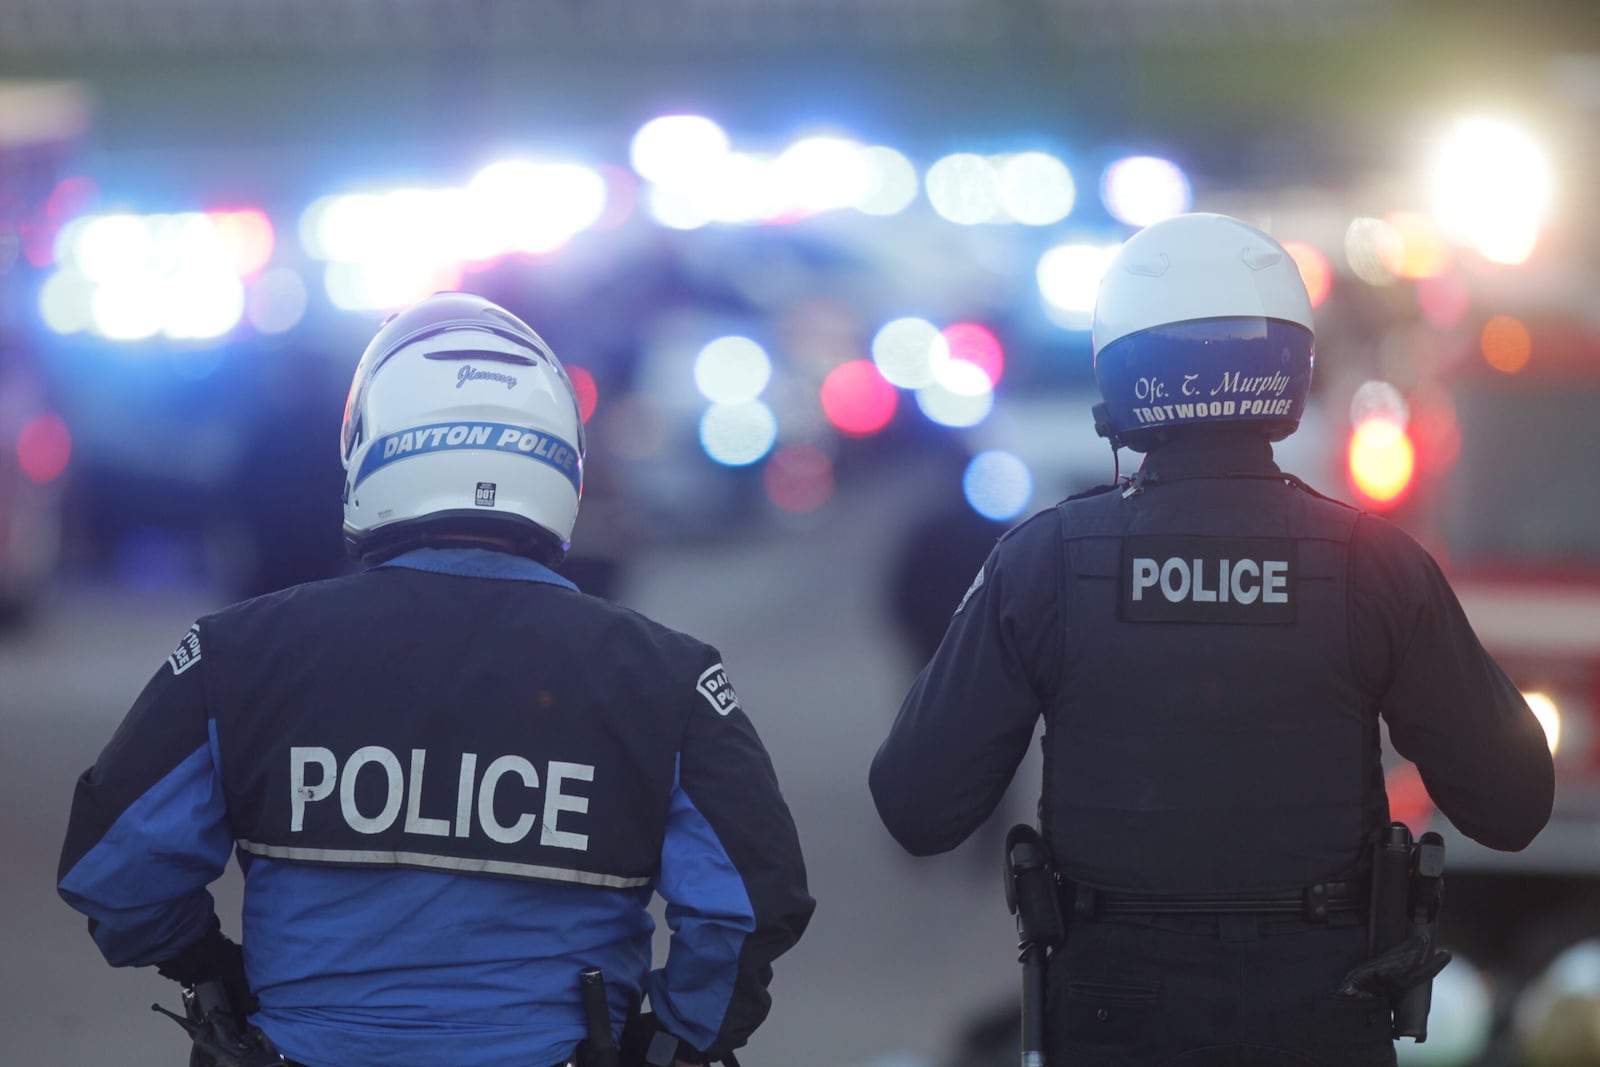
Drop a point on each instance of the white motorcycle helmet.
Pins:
(1201, 320)
(460, 421)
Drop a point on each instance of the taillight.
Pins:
(1382, 462)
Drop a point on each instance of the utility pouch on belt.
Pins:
(1403, 929)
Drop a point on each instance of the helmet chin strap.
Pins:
(1103, 427)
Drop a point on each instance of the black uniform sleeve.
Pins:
(966, 723)
(1451, 710)
(148, 830)
(731, 874)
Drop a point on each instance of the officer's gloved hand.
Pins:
(645, 1044)
(1389, 974)
(213, 957)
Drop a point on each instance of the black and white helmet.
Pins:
(460, 420)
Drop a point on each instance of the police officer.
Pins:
(452, 780)
(1210, 646)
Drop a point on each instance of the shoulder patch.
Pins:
(187, 654)
(977, 583)
(718, 691)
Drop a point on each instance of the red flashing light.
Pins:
(799, 478)
(977, 345)
(246, 236)
(1314, 270)
(43, 448)
(583, 385)
(1409, 801)
(857, 399)
(1382, 462)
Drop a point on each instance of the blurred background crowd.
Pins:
(822, 272)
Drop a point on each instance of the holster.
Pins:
(1403, 929)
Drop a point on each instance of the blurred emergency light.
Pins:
(976, 345)
(1382, 461)
(43, 448)
(857, 399)
(583, 385)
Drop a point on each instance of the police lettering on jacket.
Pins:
(1207, 579)
(315, 775)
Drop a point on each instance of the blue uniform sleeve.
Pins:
(732, 876)
(148, 829)
(967, 721)
(1451, 710)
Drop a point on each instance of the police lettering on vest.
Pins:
(1207, 579)
(314, 774)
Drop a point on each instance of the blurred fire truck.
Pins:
(1493, 462)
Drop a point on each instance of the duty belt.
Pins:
(1314, 903)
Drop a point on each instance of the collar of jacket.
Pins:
(1217, 455)
(478, 563)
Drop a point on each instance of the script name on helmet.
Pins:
(473, 374)
(1207, 579)
(374, 786)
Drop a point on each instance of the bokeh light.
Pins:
(44, 447)
(857, 399)
(822, 173)
(1491, 187)
(1373, 249)
(1141, 190)
(246, 239)
(798, 478)
(964, 189)
(1419, 249)
(905, 351)
(977, 345)
(1378, 400)
(1382, 461)
(1314, 270)
(675, 149)
(1506, 344)
(997, 484)
(584, 387)
(1069, 277)
(1443, 300)
(959, 396)
(737, 435)
(732, 370)
(1549, 715)
(64, 301)
(1036, 188)
(891, 182)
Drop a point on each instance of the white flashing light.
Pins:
(676, 210)
(1069, 277)
(676, 149)
(64, 302)
(1491, 187)
(538, 206)
(960, 394)
(201, 304)
(1377, 399)
(1036, 188)
(351, 226)
(312, 226)
(739, 187)
(1141, 190)
(892, 182)
(822, 173)
(965, 189)
(129, 308)
(907, 350)
(737, 435)
(997, 484)
(732, 370)
(110, 246)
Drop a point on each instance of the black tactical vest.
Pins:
(1208, 734)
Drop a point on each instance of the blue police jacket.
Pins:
(452, 782)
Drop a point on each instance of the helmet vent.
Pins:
(459, 355)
